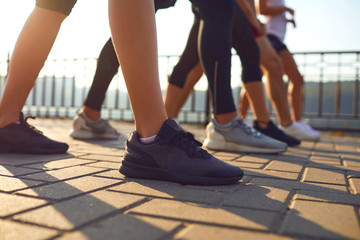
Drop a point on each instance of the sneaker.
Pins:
(240, 137)
(274, 132)
(23, 138)
(177, 157)
(306, 126)
(85, 128)
(296, 130)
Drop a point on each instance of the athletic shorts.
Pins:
(276, 43)
(61, 6)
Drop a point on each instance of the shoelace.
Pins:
(248, 129)
(31, 127)
(186, 141)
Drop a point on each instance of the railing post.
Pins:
(356, 88)
(338, 89)
(320, 97)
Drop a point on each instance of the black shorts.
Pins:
(61, 6)
(276, 43)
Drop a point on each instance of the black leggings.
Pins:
(242, 40)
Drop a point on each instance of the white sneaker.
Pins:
(308, 127)
(84, 128)
(239, 137)
(300, 132)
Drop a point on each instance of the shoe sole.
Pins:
(132, 170)
(89, 135)
(232, 147)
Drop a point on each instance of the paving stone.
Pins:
(58, 164)
(271, 174)
(9, 184)
(355, 185)
(201, 232)
(105, 165)
(69, 188)
(322, 220)
(324, 176)
(62, 174)
(285, 157)
(169, 190)
(258, 197)
(248, 165)
(110, 158)
(11, 204)
(284, 166)
(124, 226)
(111, 174)
(225, 216)
(23, 159)
(16, 171)
(343, 198)
(352, 163)
(75, 212)
(325, 163)
(254, 159)
(228, 189)
(10, 230)
(287, 184)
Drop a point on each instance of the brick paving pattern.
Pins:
(310, 192)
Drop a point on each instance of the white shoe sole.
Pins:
(232, 147)
(89, 135)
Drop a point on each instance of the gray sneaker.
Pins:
(240, 137)
(177, 157)
(85, 128)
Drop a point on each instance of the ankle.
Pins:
(224, 118)
(92, 114)
(262, 124)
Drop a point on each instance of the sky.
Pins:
(322, 25)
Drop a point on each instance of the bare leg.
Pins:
(275, 86)
(31, 50)
(92, 114)
(255, 95)
(175, 97)
(243, 104)
(131, 22)
(295, 90)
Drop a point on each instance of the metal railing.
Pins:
(331, 89)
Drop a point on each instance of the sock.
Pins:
(148, 139)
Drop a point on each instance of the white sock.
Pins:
(148, 139)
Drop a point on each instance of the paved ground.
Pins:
(310, 192)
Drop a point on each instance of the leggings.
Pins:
(244, 43)
(215, 33)
(61, 6)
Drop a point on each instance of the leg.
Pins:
(33, 46)
(243, 104)
(296, 82)
(143, 86)
(176, 97)
(275, 86)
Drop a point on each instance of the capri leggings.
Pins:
(243, 42)
(61, 6)
(215, 32)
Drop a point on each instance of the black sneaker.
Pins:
(274, 132)
(24, 138)
(177, 157)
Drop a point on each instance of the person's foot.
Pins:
(177, 157)
(272, 131)
(85, 128)
(296, 130)
(315, 133)
(240, 137)
(23, 138)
